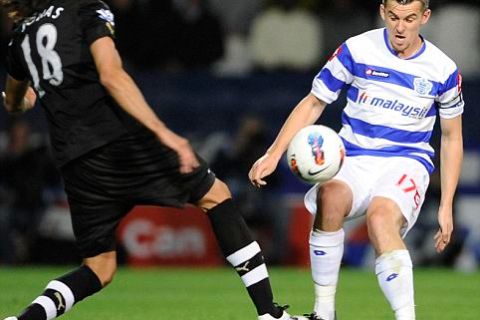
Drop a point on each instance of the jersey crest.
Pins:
(422, 86)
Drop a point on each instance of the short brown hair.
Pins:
(425, 3)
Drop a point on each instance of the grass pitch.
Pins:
(209, 294)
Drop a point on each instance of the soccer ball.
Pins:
(316, 154)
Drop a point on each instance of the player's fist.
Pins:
(30, 98)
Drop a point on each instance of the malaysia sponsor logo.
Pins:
(422, 86)
(394, 105)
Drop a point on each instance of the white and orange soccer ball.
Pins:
(316, 154)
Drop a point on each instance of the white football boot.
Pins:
(11, 318)
(285, 316)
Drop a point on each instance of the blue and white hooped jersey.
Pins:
(391, 102)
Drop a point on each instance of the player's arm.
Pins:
(304, 114)
(451, 156)
(18, 97)
(124, 90)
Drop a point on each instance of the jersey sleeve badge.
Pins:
(108, 16)
(335, 53)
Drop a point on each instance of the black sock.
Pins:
(61, 294)
(244, 254)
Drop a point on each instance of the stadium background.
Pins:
(226, 73)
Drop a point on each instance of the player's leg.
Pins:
(345, 196)
(334, 202)
(396, 203)
(95, 217)
(393, 265)
(94, 228)
(61, 294)
(240, 249)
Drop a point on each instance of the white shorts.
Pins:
(401, 179)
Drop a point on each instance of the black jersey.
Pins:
(52, 49)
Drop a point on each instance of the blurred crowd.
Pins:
(233, 37)
(226, 38)
(27, 174)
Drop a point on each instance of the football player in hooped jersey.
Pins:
(396, 82)
(112, 150)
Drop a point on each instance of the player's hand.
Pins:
(262, 168)
(186, 156)
(30, 98)
(444, 234)
(27, 103)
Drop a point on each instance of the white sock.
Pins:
(326, 251)
(395, 277)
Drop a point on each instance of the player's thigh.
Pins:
(384, 216)
(350, 189)
(138, 169)
(95, 213)
(386, 209)
(405, 183)
(94, 225)
(218, 193)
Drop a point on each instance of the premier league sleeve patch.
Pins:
(108, 16)
(96, 20)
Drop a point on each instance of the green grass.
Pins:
(208, 294)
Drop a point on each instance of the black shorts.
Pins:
(105, 184)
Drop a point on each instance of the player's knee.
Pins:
(217, 194)
(107, 277)
(104, 268)
(333, 203)
(222, 189)
(375, 222)
(105, 274)
(383, 215)
(334, 194)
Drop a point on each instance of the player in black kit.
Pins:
(112, 150)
